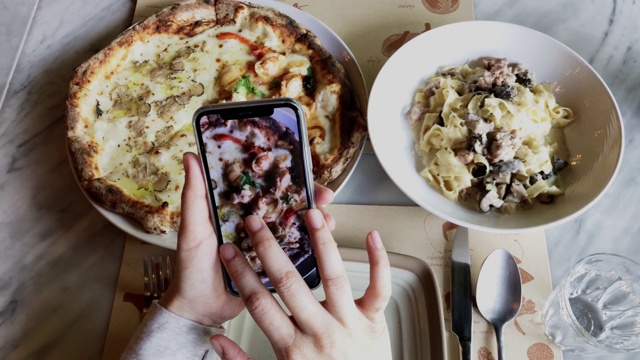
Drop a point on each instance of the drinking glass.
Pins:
(595, 310)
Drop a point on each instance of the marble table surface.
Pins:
(59, 258)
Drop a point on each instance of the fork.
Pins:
(157, 277)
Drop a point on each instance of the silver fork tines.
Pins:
(157, 277)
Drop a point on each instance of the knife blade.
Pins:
(461, 308)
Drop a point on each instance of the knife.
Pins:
(461, 309)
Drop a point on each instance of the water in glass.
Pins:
(596, 308)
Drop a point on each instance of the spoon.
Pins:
(499, 292)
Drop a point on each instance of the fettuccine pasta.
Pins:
(491, 135)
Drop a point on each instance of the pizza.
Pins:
(130, 106)
(255, 168)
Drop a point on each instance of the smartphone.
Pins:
(256, 160)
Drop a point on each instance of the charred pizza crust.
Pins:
(144, 181)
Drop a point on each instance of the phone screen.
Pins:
(256, 161)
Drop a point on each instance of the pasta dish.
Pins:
(489, 135)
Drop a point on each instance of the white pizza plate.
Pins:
(594, 139)
(414, 314)
(338, 49)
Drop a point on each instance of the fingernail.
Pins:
(331, 222)
(185, 157)
(315, 220)
(185, 163)
(227, 251)
(375, 240)
(253, 223)
(215, 344)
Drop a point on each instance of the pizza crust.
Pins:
(155, 219)
(185, 21)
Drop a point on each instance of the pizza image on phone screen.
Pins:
(255, 165)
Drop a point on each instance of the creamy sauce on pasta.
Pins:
(490, 131)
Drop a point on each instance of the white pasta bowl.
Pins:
(594, 139)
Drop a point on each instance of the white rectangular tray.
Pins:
(414, 314)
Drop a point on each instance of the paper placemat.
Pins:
(404, 230)
(415, 232)
(374, 31)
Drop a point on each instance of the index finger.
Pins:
(284, 276)
(262, 306)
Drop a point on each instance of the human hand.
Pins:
(336, 328)
(198, 292)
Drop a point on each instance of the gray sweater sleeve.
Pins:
(165, 335)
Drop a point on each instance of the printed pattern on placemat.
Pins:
(375, 30)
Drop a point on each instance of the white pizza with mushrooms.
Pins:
(130, 106)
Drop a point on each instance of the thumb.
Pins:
(227, 349)
(195, 223)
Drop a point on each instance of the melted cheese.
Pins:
(326, 106)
